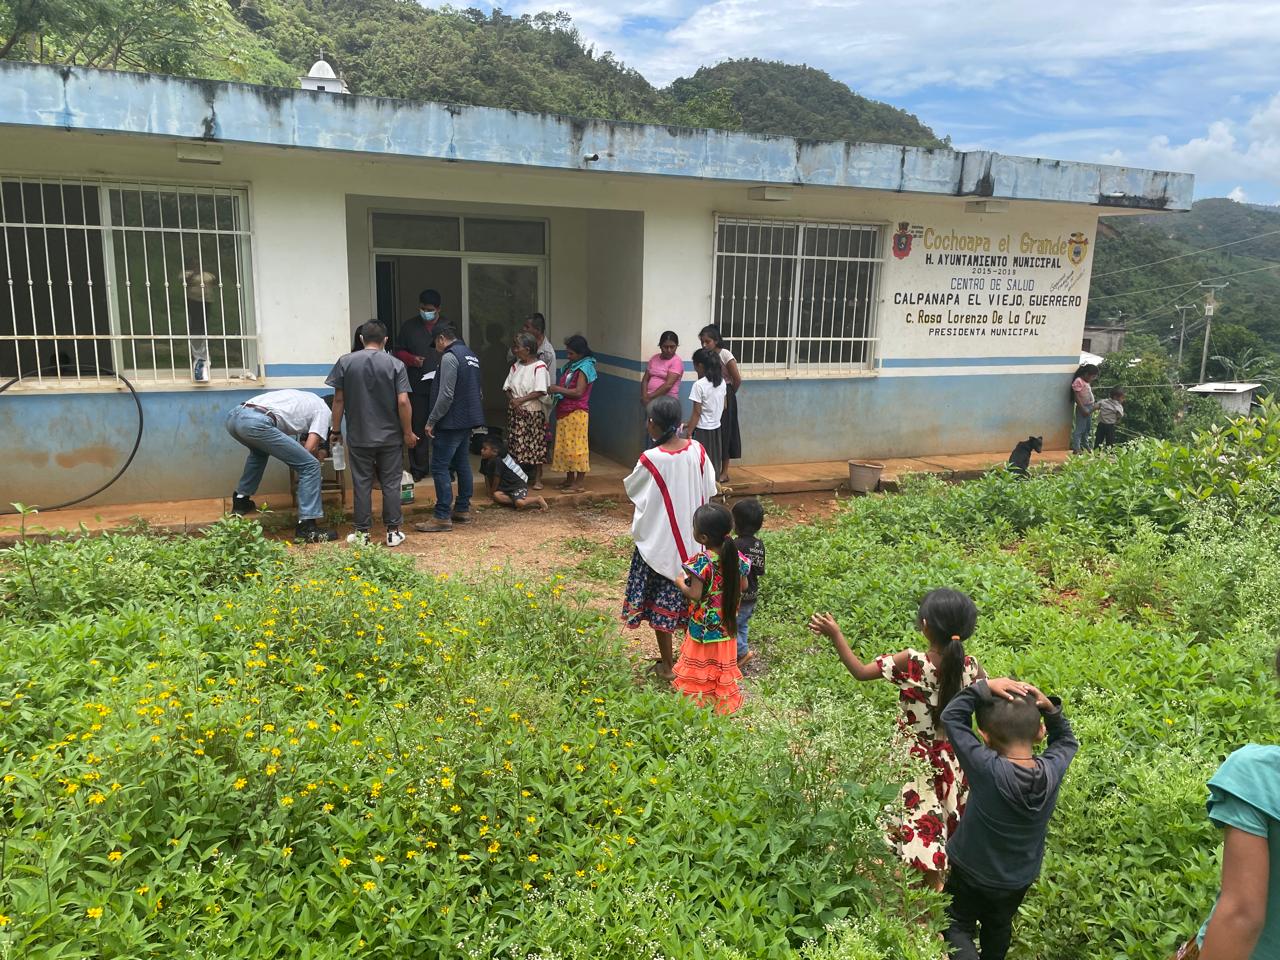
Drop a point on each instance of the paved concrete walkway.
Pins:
(604, 482)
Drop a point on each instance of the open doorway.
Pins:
(401, 279)
(491, 274)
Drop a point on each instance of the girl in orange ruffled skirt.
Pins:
(707, 671)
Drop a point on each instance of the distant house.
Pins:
(1234, 397)
(881, 300)
(1102, 340)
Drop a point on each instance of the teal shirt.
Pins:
(1245, 794)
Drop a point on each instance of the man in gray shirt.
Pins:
(372, 388)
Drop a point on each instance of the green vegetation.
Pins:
(797, 101)
(1245, 341)
(398, 48)
(263, 752)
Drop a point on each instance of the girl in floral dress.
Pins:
(707, 671)
(926, 683)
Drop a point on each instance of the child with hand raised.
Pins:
(926, 682)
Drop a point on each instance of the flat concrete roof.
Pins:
(110, 102)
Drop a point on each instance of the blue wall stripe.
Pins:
(298, 369)
(902, 362)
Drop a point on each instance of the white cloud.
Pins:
(1229, 150)
(1238, 195)
(885, 47)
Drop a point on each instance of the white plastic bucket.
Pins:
(864, 476)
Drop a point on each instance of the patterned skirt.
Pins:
(652, 598)
(731, 433)
(527, 436)
(573, 455)
(931, 808)
(708, 674)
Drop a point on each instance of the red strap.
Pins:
(671, 510)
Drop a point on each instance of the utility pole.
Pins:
(1209, 304)
(1182, 309)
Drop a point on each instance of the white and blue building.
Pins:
(881, 300)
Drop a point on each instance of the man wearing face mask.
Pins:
(416, 350)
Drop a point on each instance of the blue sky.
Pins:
(1175, 85)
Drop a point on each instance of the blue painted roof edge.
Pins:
(105, 101)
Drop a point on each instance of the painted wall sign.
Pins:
(988, 286)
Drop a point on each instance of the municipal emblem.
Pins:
(902, 241)
(1077, 247)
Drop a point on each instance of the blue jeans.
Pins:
(745, 610)
(450, 453)
(264, 439)
(1080, 439)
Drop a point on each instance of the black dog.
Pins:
(1020, 459)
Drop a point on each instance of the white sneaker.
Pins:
(360, 537)
(394, 538)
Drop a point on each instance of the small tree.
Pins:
(1145, 371)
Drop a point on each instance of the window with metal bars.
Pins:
(796, 295)
(149, 280)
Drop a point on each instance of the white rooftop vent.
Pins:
(323, 79)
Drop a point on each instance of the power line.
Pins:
(1182, 256)
(1189, 283)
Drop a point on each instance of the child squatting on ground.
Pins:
(997, 849)
(707, 671)
(748, 518)
(926, 683)
(506, 480)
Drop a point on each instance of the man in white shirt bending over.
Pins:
(271, 425)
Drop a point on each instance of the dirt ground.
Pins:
(590, 544)
(542, 542)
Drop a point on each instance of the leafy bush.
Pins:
(254, 752)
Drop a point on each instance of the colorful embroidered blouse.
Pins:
(704, 616)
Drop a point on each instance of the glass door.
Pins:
(499, 296)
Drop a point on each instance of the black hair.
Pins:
(528, 341)
(748, 517)
(667, 414)
(712, 331)
(948, 618)
(1009, 721)
(714, 522)
(578, 344)
(1117, 393)
(709, 360)
(1085, 368)
(429, 298)
(495, 442)
(445, 330)
(373, 332)
(537, 321)
(357, 344)
(668, 335)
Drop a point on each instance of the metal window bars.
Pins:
(798, 295)
(143, 279)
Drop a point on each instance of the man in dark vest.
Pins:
(415, 348)
(457, 408)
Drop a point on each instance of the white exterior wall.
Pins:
(306, 301)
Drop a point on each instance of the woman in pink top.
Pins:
(663, 374)
(1082, 405)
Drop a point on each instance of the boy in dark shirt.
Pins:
(748, 518)
(997, 849)
(508, 484)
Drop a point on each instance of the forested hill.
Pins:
(398, 48)
(1130, 286)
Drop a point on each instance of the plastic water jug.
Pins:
(406, 487)
(338, 455)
